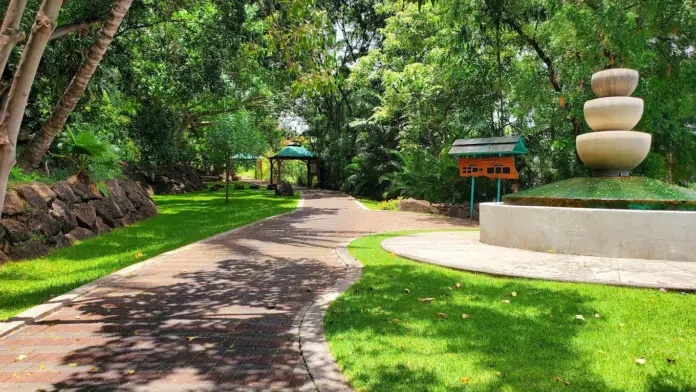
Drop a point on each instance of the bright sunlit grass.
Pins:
(385, 339)
(182, 219)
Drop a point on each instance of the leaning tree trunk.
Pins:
(11, 35)
(21, 86)
(39, 145)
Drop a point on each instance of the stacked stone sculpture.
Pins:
(613, 149)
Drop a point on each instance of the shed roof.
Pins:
(294, 152)
(505, 145)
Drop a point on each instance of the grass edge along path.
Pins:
(182, 219)
(505, 334)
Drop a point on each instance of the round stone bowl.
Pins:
(613, 152)
(615, 82)
(613, 113)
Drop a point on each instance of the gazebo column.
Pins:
(271, 161)
(309, 173)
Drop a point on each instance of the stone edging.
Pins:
(359, 203)
(30, 315)
(320, 363)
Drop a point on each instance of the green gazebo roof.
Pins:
(505, 145)
(294, 152)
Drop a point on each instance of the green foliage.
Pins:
(93, 158)
(17, 176)
(233, 134)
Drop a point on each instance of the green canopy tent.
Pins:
(296, 152)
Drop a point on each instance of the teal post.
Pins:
(471, 204)
(498, 199)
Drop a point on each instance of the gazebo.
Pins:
(296, 152)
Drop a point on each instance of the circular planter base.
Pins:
(634, 234)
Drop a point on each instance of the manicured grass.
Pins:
(182, 219)
(385, 339)
(608, 192)
(389, 205)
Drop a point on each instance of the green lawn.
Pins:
(182, 219)
(385, 339)
(390, 205)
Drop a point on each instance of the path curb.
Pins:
(321, 364)
(31, 315)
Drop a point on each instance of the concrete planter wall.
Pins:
(37, 217)
(635, 234)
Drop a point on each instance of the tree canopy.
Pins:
(374, 86)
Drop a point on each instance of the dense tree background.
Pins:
(380, 89)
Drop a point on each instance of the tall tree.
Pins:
(11, 35)
(40, 144)
(41, 31)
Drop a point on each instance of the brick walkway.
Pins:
(222, 315)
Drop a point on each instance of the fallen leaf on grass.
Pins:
(395, 321)
(466, 380)
(426, 299)
(442, 315)
(514, 293)
(457, 285)
(580, 317)
(640, 361)
(597, 315)
(505, 301)
(465, 316)
(138, 255)
(671, 361)
(407, 291)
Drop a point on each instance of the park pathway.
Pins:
(219, 315)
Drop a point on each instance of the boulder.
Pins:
(86, 215)
(29, 250)
(35, 199)
(4, 258)
(284, 189)
(148, 209)
(238, 187)
(14, 204)
(44, 191)
(58, 241)
(458, 211)
(102, 227)
(413, 205)
(107, 209)
(16, 231)
(271, 187)
(65, 192)
(439, 208)
(83, 193)
(42, 223)
(135, 193)
(78, 234)
(115, 189)
(61, 212)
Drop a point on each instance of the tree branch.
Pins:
(62, 31)
(540, 52)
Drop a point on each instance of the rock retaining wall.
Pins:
(37, 218)
(460, 211)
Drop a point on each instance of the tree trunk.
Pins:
(10, 34)
(21, 86)
(39, 145)
(227, 180)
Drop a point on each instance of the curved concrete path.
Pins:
(463, 250)
(227, 313)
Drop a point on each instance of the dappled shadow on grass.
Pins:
(183, 219)
(521, 340)
(533, 343)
